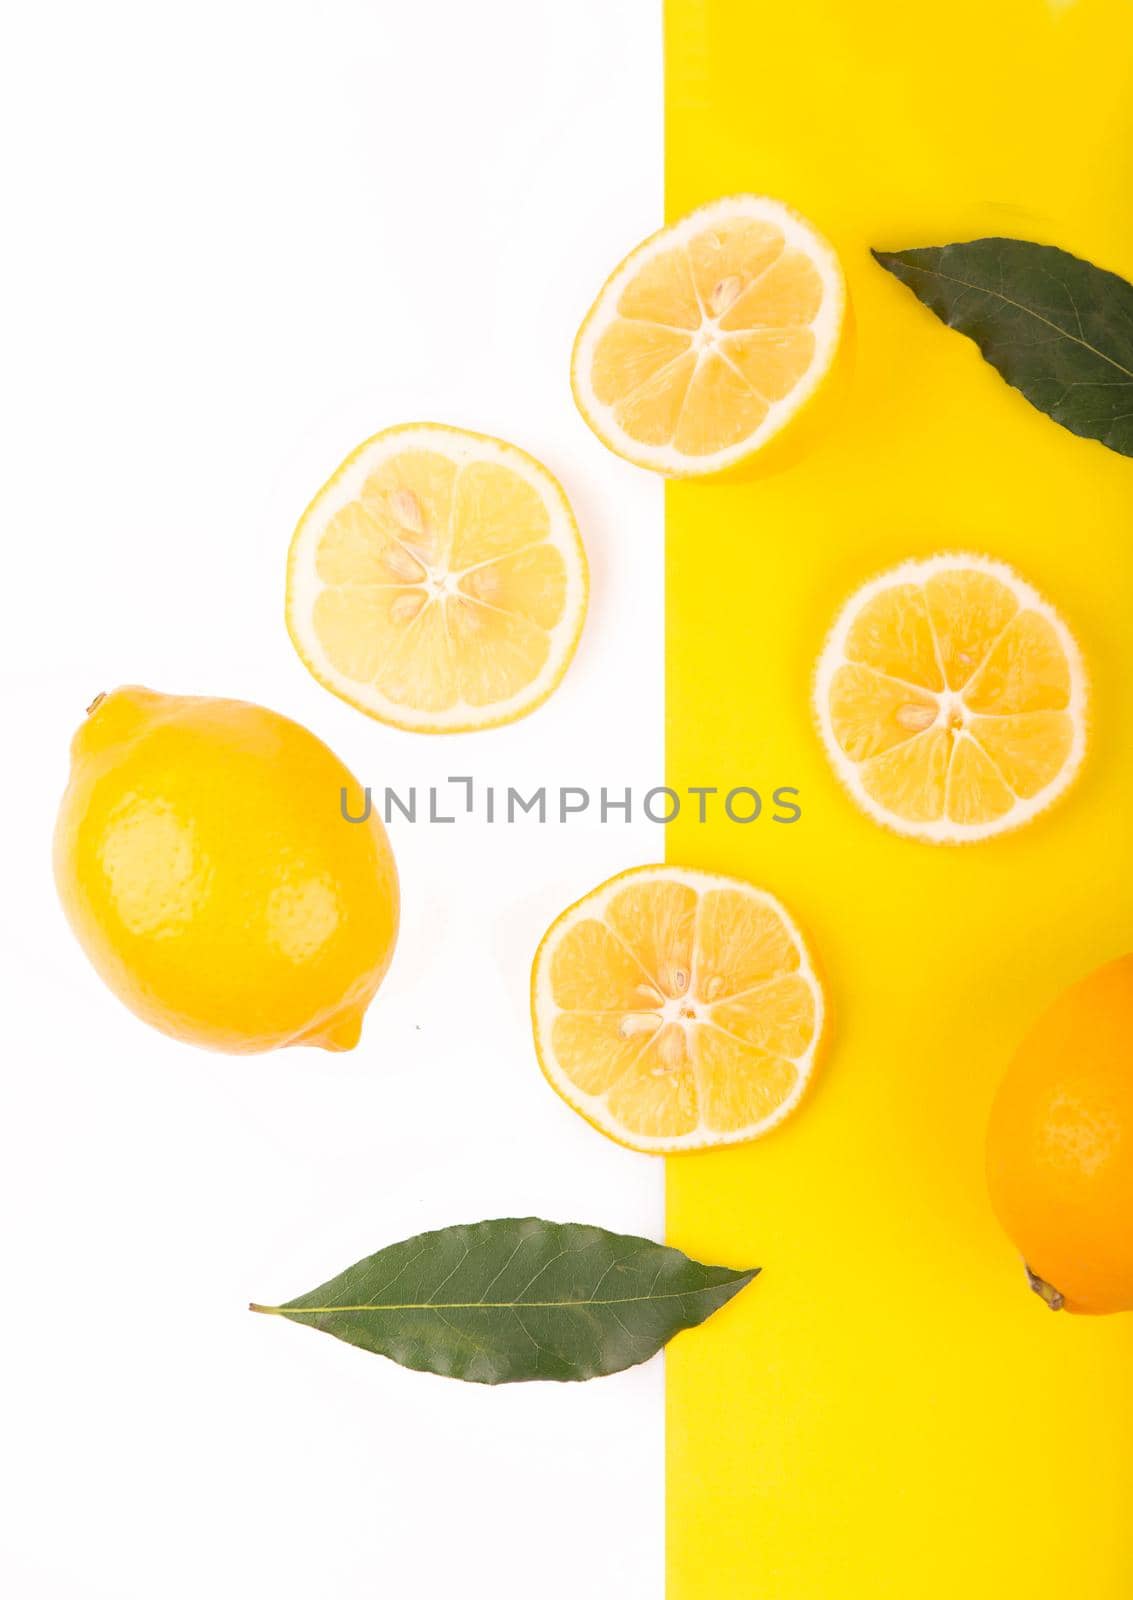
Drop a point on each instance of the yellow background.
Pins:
(888, 1412)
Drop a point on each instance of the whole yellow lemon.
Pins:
(207, 869)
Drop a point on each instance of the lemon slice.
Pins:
(710, 337)
(952, 699)
(438, 581)
(676, 1010)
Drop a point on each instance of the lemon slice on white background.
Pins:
(438, 581)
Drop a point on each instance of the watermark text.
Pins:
(464, 799)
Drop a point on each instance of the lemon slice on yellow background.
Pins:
(438, 581)
(952, 699)
(710, 337)
(676, 1010)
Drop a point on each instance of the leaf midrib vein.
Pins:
(1029, 311)
(493, 1305)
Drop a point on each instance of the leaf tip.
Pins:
(739, 1278)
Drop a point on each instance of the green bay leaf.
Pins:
(517, 1299)
(1059, 329)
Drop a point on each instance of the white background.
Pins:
(241, 237)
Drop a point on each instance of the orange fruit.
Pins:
(1060, 1146)
(676, 1010)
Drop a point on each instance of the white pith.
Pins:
(827, 329)
(304, 583)
(593, 1107)
(944, 830)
